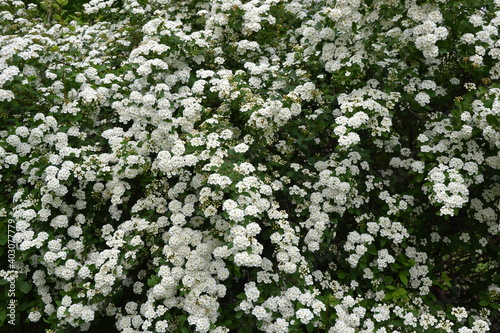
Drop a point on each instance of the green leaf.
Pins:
(182, 320)
(484, 302)
(403, 279)
(25, 287)
(394, 267)
(419, 178)
(152, 281)
(3, 239)
(354, 27)
(25, 306)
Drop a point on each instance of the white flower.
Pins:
(422, 98)
(75, 231)
(304, 315)
(60, 221)
(340, 130)
(241, 148)
(246, 259)
(459, 312)
(236, 214)
(229, 204)
(251, 292)
(480, 326)
(84, 272)
(161, 326)
(178, 149)
(253, 229)
(87, 314)
(260, 313)
(34, 316)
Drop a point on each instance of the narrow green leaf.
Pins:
(182, 320)
(403, 279)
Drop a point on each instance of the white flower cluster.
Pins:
(448, 189)
(275, 166)
(362, 109)
(358, 244)
(428, 32)
(282, 307)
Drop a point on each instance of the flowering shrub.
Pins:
(247, 166)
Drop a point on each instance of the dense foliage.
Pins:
(246, 166)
